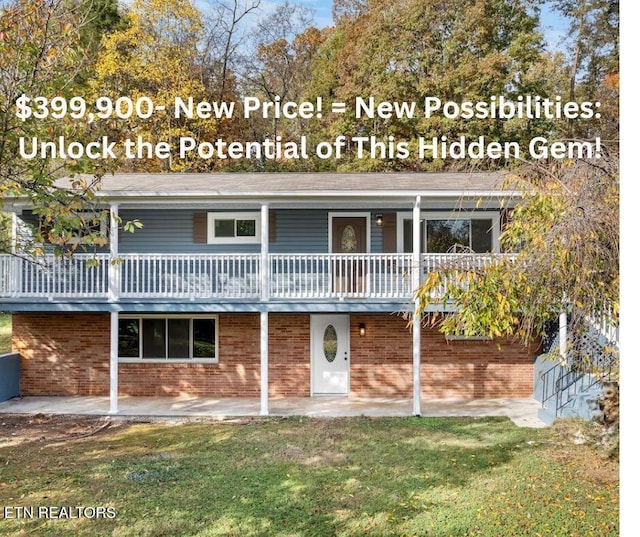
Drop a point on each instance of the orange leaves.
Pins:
(612, 81)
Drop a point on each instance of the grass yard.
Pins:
(306, 477)
(5, 333)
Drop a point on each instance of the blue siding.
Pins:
(307, 231)
(301, 232)
(376, 236)
(170, 231)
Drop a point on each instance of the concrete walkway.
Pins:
(523, 412)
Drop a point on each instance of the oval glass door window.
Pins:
(330, 343)
(349, 242)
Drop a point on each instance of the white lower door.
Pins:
(330, 354)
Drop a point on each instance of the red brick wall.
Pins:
(237, 372)
(381, 359)
(62, 354)
(68, 354)
(381, 363)
(289, 355)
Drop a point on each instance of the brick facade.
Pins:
(382, 363)
(68, 354)
(62, 354)
(237, 372)
(289, 352)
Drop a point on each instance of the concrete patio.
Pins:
(523, 412)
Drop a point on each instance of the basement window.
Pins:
(167, 338)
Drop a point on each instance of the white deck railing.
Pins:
(340, 276)
(80, 276)
(225, 276)
(431, 262)
(190, 276)
(604, 323)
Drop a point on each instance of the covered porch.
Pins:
(263, 356)
(522, 411)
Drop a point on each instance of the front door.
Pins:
(349, 236)
(330, 354)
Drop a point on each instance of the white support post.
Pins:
(15, 265)
(264, 251)
(417, 320)
(114, 267)
(264, 316)
(113, 365)
(14, 232)
(562, 335)
(264, 363)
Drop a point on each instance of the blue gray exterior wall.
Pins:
(298, 231)
(9, 376)
(170, 231)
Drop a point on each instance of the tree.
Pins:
(103, 18)
(457, 51)
(221, 58)
(349, 8)
(594, 35)
(222, 41)
(156, 56)
(594, 65)
(41, 54)
(280, 67)
(564, 241)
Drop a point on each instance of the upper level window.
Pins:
(452, 233)
(233, 228)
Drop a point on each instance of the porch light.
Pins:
(379, 220)
(363, 329)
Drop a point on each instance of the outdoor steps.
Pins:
(582, 405)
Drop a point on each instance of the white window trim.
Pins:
(140, 360)
(362, 214)
(211, 220)
(494, 216)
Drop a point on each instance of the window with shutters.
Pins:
(233, 228)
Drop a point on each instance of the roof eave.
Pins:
(368, 194)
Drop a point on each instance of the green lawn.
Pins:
(5, 333)
(304, 477)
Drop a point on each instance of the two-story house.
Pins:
(262, 285)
